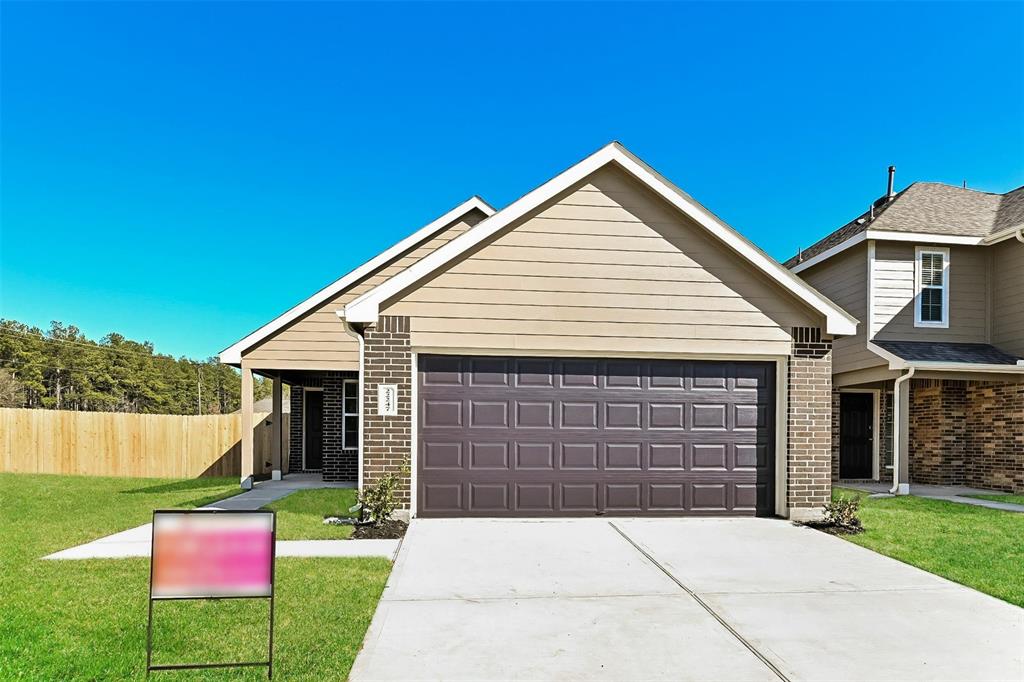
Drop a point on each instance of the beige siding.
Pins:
(843, 278)
(606, 268)
(318, 340)
(968, 297)
(1008, 296)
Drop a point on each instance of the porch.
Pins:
(951, 430)
(322, 438)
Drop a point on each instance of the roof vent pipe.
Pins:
(892, 178)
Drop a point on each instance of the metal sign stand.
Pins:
(269, 663)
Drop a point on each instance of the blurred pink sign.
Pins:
(212, 554)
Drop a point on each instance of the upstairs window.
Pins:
(931, 304)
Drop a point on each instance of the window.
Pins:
(350, 414)
(931, 308)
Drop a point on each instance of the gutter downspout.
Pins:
(1020, 235)
(897, 487)
(356, 334)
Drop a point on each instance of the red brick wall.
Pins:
(809, 420)
(995, 436)
(387, 440)
(938, 419)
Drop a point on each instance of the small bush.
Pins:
(842, 513)
(377, 502)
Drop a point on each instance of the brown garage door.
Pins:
(504, 436)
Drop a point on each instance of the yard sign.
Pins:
(212, 554)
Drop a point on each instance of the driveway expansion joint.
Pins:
(707, 607)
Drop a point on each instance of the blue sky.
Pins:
(183, 172)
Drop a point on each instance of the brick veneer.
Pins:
(836, 397)
(295, 430)
(339, 464)
(809, 420)
(885, 434)
(938, 419)
(995, 436)
(387, 441)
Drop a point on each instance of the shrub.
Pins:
(377, 502)
(842, 513)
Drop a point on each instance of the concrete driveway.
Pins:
(674, 599)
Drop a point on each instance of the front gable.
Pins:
(317, 338)
(607, 266)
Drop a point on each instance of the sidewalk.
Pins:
(949, 493)
(134, 542)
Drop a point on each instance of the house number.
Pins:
(387, 400)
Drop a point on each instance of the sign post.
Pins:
(212, 554)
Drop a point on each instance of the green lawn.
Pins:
(300, 516)
(87, 619)
(996, 497)
(978, 547)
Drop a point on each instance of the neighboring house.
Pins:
(602, 345)
(936, 274)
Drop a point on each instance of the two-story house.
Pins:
(931, 388)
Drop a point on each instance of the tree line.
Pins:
(62, 369)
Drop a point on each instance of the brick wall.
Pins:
(836, 396)
(339, 464)
(295, 430)
(938, 420)
(995, 436)
(387, 441)
(809, 418)
(885, 434)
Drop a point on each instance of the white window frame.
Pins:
(918, 287)
(345, 413)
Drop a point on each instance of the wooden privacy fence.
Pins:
(138, 445)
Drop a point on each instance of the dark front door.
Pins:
(856, 437)
(314, 406)
(518, 436)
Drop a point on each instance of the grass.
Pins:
(87, 619)
(300, 516)
(996, 497)
(974, 546)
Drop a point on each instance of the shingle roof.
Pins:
(933, 351)
(934, 208)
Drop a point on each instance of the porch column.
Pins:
(903, 424)
(277, 416)
(247, 439)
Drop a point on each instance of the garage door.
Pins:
(506, 436)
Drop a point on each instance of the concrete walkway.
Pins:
(949, 493)
(135, 542)
(674, 599)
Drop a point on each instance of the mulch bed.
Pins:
(833, 529)
(389, 530)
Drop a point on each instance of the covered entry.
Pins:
(533, 436)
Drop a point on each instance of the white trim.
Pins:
(781, 436)
(876, 459)
(304, 434)
(345, 414)
(886, 236)
(233, 353)
(366, 307)
(870, 332)
(920, 251)
(825, 255)
(414, 436)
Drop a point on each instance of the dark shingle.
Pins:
(934, 351)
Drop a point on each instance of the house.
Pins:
(936, 274)
(602, 345)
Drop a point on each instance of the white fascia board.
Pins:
(1003, 235)
(233, 354)
(367, 307)
(895, 361)
(885, 236)
(828, 253)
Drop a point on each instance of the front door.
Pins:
(856, 437)
(314, 430)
